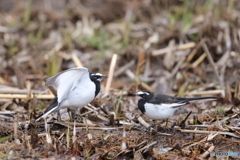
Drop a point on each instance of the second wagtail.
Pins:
(160, 106)
(76, 87)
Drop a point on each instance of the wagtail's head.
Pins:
(97, 77)
(146, 95)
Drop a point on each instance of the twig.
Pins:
(210, 59)
(130, 74)
(205, 154)
(89, 111)
(223, 61)
(56, 48)
(39, 135)
(186, 46)
(208, 138)
(98, 128)
(144, 86)
(151, 144)
(124, 145)
(7, 113)
(180, 47)
(74, 137)
(77, 124)
(12, 90)
(182, 123)
(144, 123)
(168, 60)
(198, 126)
(231, 129)
(199, 60)
(110, 75)
(180, 62)
(76, 60)
(15, 130)
(124, 68)
(24, 96)
(210, 92)
(193, 52)
(209, 132)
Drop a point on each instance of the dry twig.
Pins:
(111, 71)
(210, 59)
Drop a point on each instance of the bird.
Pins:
(160, 106)
(75, 88)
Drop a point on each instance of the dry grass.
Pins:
(183, 48)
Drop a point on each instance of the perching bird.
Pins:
(76, 87)
(162, 107)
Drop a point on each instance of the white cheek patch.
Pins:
(98, 74)
(142, 93)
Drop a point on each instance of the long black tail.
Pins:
(196, 99)
(53, 106)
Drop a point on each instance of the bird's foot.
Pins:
(78, 118)
(151, 130)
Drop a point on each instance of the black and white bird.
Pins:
(76, 87)
(162, 107)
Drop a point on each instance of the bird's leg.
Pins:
(160, 127)
(72, 118)
(166, 123)
(70, 114)
(78, 116)
(154, 124)
(59, 116)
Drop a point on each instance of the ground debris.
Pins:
(182, 48)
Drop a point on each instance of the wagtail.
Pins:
(76, 87)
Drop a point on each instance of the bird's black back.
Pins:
(162, 98)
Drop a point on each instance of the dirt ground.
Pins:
(180, 48)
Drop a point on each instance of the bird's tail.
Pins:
(53, 106)
(197, 99)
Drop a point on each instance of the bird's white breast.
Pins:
(80, 95)
(160, 111)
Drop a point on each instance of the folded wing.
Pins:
(64, 81)
(161, 98)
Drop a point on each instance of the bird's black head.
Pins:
(146, 95)
(97, 77)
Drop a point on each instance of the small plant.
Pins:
(220, 111)
(52, 65)
(34, 38)
(117, 107)
(27, 11)
(12, 49)
(102, 135)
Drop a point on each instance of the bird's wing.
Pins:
(64, 81)
(165, 99)
(161, 98)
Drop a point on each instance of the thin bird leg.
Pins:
(69, 114)
(154, 124)
(166, 123)
(59, 116)
(73, 112)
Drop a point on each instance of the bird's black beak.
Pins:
(132, 94)
(104, 76)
